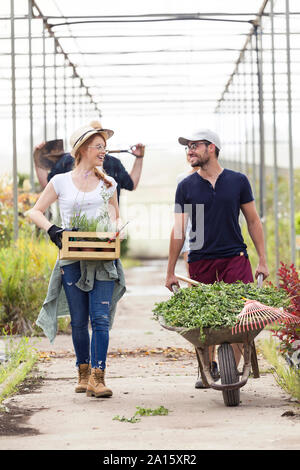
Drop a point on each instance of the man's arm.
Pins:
(136, 171)
(42, 176)
(176, 243)
(256, 233)
(41, 173)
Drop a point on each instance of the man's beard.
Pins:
(202, 161)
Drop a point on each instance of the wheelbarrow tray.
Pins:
(212, 336)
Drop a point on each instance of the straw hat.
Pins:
(83, 133)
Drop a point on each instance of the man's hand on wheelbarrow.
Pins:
(171, 280)
(262, 268)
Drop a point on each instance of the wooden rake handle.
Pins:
(260, 279)
(188, 280)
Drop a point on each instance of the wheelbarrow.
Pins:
(230, 376)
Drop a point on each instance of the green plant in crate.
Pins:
(25, 268)
(101, 223)
(96, 224)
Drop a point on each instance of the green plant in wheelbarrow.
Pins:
(207, 314)
(215, 305)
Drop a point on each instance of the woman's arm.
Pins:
(36, 214)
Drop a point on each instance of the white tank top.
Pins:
(73, 202)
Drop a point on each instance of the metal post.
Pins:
(30, 95)
(237, 124)
(233, 126)
(14, 127)
(291, 158)
(65, 103)
(239, 121)
(73, 103)
(261, 131)
(245, 94)
(44, 85)
(55, 89)
(275, 174)
(253, 122)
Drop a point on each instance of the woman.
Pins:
(91, 192)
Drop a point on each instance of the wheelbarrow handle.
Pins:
(175, 288)
(260, 279)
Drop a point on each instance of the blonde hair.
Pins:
(101, 175)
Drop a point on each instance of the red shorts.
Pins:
(229, 270)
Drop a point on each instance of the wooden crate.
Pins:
(73, 249)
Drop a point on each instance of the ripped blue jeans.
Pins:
(84, 305)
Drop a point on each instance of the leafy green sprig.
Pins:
(160, 411)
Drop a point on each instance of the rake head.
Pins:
(256, 315)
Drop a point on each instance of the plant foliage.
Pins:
(289, 334)
(215, 305)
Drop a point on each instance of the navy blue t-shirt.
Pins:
(112, 166)
(214, 213)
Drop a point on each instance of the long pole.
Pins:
(261, 131)
(275, 164)
(290, 133)
(14, 127)
(55, 87)
(253, 120)
(30, 95)
(44, 85)
(245, 121)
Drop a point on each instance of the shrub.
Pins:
(25, 268)
(289, 334)
(25, 202)
(297, 223)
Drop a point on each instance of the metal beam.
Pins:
(14, 130)
(290, 134)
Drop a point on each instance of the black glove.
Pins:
(55, 233)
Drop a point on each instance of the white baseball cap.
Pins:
(202, 134)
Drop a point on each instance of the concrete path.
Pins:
(148, 367)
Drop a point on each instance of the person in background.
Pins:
(112, 167)
(212, 198)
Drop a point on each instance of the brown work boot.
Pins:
(96, 386)
(84, 372)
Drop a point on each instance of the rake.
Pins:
(257, 315)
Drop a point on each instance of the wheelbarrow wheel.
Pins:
(229, 374)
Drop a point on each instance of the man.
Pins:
(212, 198)
(112, 166)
